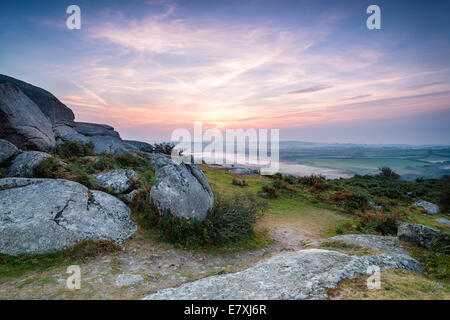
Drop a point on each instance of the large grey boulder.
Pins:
(22, 122)
(429, 207)
(48, 215)
(104, 138)
(181, 189)
(7, 150)
(416, 233)
(49, 105)
(24, 163)
(118, 180)
(305, 274)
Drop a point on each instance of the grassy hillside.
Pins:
(262, 213)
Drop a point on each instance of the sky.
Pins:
(309, 68)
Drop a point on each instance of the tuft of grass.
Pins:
(396, 284)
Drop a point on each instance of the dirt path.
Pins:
(160, 264)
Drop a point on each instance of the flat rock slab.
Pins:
(304, 274)
(128, 280)
(48, 215)
(118, 180)
(243, 171)
(382, 243)
(443, 221)
(110, 144)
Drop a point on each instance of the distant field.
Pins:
(339, 161)
(362, 165)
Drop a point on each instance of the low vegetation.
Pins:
(229, 224)
(376, 202)
(436, 260)
(361, 204)
(72, 148)
(396, 284)
(74, 162)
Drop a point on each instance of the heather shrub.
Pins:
(49, 168)
(71, 148)
(229, 221)
(269, 192)
(378, 223)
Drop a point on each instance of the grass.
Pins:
(17, 266)
(362, 165)
(350, 248)
(396, 284)
(318, 209)
(288, 210)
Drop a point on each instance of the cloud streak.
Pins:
(315, 88)
(166, 70)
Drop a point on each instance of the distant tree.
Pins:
(387, 172)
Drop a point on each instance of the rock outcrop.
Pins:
(95, 129)
(7, 150)
(22, 122)
(141, 146)
(429, 207)
(48, 215)
(118, 181)
(110, 144)
(104, 137)
(32, 118)
(49, 105)
(416, 233)
(24, 163)
(181, 189)
(305, 274)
